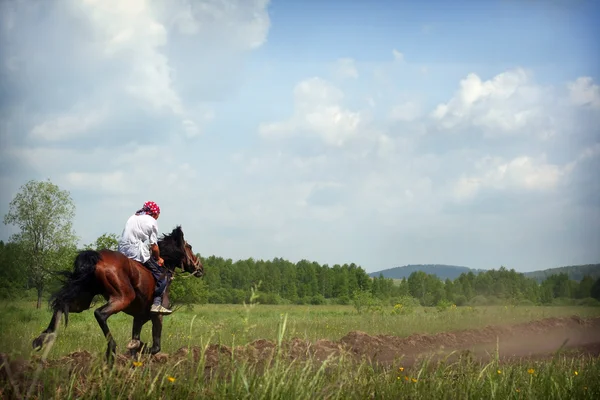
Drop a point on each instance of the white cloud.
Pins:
(128, 58)
(583, 92)
(131, 31)
(69, 125)
(346, 68)
(398, 56)
(115, 182)
(504, 104)
(245, 23)
(318, 110)
(130, 101)
(407, 111)
(522, 172)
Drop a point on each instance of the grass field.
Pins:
(565, 376)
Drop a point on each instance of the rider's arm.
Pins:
(156, 253)
(153, 237)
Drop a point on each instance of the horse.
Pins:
(125, 284)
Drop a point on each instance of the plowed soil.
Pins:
(539, 339)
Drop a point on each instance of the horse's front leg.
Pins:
(135, 344)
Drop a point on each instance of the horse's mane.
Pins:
(172, 247)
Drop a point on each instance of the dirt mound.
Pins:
(537, 339)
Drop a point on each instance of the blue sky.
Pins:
(376, 132)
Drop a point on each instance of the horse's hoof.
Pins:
(134, 344)
(38, 343)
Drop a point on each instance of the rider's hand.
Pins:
(161, 262)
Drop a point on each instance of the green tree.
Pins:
(13, 276)
(43, 212)
(108, 241)
(585, 287)
(595, 290)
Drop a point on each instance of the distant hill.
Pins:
(441, 271)
(575, 272)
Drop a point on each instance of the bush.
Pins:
(318, 299)
(219, 296)
(269, 298)
(478, 301)
(188, 291)
(343, 300)
(525, 302)
(563, 301)
(364, 301)
(460, 300)
(588, 302)
(405, 305)
(444, 305)
(239, 296)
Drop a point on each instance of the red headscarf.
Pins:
(150, 208)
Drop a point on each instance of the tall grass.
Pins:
(564, 377)
(228, 324)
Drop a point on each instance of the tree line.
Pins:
(46, 243)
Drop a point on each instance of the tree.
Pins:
(44, 216)
(13, 278)
(595, 290)
(108, 241)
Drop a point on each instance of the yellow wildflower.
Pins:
(401, 369)
(531, 371)
(499, 372)
(137, 363)
(576, 373)
(414, 380)
(171, 378)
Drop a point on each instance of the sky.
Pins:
(382, 133)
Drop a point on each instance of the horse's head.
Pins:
(177, 252)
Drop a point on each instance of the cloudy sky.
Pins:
(376, 132)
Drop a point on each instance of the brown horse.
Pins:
(127, 286)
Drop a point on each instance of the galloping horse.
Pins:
(126, 284)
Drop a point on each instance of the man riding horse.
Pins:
(139, 241)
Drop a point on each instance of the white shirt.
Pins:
(140, 232)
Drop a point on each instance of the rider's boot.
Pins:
(157, 307)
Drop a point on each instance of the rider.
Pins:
(139, 241)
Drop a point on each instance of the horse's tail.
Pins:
(80, 281)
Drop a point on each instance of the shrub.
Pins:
(405, 305)
(478, 301)
(444, 305)
(588, 302)
(269, 298)
(563, 301)
(460, 300)
(318, 299)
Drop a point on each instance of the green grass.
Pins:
(229, 324)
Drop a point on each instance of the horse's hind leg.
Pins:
(113, 306)
(41, 340)
(75, 306)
